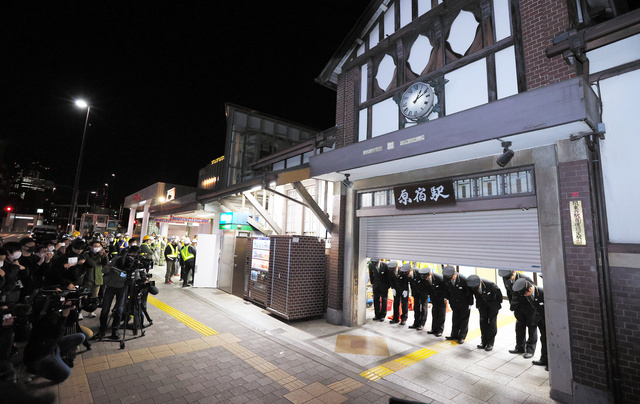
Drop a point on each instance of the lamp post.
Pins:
(74, 198)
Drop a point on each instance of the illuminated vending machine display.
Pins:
(260, 255)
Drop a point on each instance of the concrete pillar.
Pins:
(145, 222)
(132, 217)
(164, 229)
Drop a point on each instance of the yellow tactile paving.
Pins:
(395, 365)
(183, 318)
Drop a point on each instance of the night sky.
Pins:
(157, 75)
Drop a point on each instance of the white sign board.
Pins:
(207, 257)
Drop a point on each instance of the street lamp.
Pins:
(74, 198)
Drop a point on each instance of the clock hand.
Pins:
(419, 95)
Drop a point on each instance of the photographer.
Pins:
(69, 266)
(115, 280)
(42, 355)
(97, 258)
(11, 267)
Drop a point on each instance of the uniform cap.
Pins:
(448, 271)
(424, 271)
(520, 285)
(473, 281)
(392, 264)
(405, 268)
(504, 272)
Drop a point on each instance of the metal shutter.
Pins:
(503, 239)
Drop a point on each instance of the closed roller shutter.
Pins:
(503, 239)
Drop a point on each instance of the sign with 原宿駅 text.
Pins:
(424, 195)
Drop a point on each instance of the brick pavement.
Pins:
(175, 363)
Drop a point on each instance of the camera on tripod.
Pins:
(56, 299)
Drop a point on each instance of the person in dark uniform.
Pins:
(401, 295)
(523, 345)
(437, 290)
(489, 302)
(532, 299)
(460, 300)
(420, 297)
(379, 277)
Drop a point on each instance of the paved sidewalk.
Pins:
(206, 346)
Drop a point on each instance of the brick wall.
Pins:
(335, 271)
(346, 110)
(626, 302)
(543, 20)
(585, 315)
(297, 277)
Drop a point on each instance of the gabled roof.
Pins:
(329, 75)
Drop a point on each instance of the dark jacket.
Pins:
(533, 306)
(490, 296)
(508, 284)
(379, 276)
(437, 289)
(459, 293)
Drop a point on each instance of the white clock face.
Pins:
(417, 101)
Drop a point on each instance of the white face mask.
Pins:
(96, 249)
(51, 248)
(1, 263)
(16, 255)
(134, 244)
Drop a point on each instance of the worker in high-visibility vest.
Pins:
(187, 260)
(170, 256)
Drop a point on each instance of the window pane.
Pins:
(380, 198)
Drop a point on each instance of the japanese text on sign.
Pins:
(421, 195)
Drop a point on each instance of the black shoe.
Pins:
(438, 334)
(381, 319)
(527, 355)
(394, 322)
(516, 351)
(450, 338)
(488, 348)
(376, 318)
(403, 322)
(480, 346)
(114, 335)
(413, 326)
(431, 332)
(419, 328)
(185, 285)
(540, 363)
(460, 341)
(98, 336)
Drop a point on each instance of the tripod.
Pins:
(132, 308)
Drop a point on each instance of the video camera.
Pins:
(50, 300)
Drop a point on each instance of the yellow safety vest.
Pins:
(173, 252)
(186, 255)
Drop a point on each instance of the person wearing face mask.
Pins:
(11, 267)
(488, 302)
(32, 276)
(97, 258)
(69, 266)
(115, 280)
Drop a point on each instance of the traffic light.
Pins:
(8, 208)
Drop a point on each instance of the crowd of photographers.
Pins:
(45, 288)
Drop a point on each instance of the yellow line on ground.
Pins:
(381, 371)
(183, 318)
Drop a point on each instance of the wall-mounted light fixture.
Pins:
(507, 154)
(346, 181)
